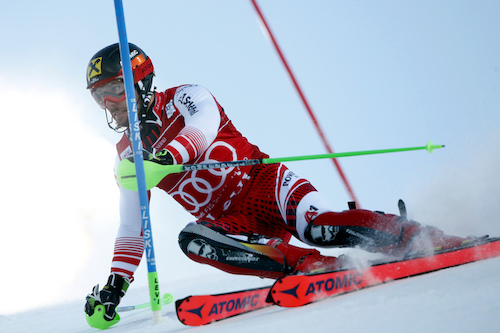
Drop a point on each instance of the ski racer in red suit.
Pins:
(244, 217)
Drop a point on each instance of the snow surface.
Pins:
(458, 299)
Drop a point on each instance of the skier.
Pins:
(245, 216)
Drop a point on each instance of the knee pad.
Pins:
(190, 243)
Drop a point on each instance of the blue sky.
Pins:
(381, 74)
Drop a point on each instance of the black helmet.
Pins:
(105, 66)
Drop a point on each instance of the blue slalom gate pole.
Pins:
(134, 125)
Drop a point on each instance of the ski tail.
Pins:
(298, 290)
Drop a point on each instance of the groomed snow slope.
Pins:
(458, 299)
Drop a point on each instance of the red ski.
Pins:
(298, 290)
(204, 309)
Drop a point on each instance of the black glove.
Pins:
(163, 157)
(109, 297)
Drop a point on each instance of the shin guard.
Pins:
(366, 229)
(207, 246)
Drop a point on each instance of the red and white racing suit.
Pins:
(188, 122)
(267, 200)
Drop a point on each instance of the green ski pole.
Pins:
(155, 172)
(166, 299)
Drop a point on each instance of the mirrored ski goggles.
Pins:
(113, 91)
